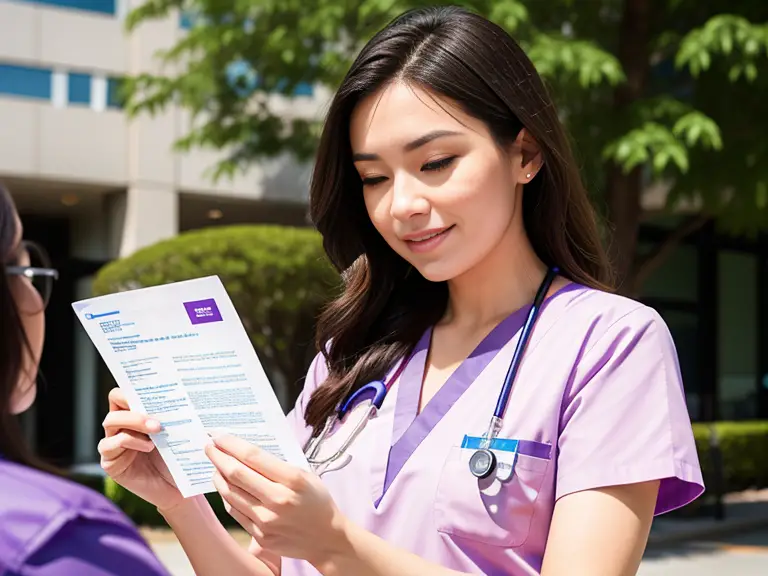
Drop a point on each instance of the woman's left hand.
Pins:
(288, 511)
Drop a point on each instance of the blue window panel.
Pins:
(304, 89)
(244, 80)
(114, 98)
(301, 88)
(79, 88)
(25, 81)
(186, 20)
(100, 6)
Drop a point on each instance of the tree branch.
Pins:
(646, 265)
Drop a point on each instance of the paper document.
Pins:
(182, 356)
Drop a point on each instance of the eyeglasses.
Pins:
(39, 271)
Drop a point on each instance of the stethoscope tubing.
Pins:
(517, 356)
(380, 389)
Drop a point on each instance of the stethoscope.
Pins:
(483, 461)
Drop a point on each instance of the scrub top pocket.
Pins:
(488, 511)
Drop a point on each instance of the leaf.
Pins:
(723, 35)
(590, 65)
(761, 195)
(660, 161)
(680, 157)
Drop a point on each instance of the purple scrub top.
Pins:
(50, 526)
(598, 401)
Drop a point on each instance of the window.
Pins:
(737, 335)
(100, 6)
(26, 81)
(186, 20)
(79, 88)
(677, 276)
(683, 326)
(303, 89)
(114, 97)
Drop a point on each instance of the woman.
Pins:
(445, 188)
(49, 526)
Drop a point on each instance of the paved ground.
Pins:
(168, 549)
(745, 555)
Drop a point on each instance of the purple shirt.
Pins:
(50, 526)
(598, 401)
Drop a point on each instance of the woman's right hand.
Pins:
(129, 456)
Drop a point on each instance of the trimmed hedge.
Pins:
(277, 277)
(145, 514)
(744, 447)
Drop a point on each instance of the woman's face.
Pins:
(32, 314)
(437, 186)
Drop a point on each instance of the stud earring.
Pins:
(528, 175)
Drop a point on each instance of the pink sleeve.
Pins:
(316, 375)
(624, 417)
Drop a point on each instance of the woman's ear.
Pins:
(530, 156)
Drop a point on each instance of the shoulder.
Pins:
(35, 506)
(612, 341)
(601, 318)
(317, 373)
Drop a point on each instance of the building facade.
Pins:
(93, 187)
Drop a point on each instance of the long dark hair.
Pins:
(384, 309)
(13, 343)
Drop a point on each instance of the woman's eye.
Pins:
(373, 180)
(436, 165)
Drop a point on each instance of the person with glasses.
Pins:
(49, 525)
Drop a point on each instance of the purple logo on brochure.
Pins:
(203, 311)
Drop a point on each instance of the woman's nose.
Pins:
(407, 199)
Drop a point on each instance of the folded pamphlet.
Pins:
(180, 353)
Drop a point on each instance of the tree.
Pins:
(664, 92)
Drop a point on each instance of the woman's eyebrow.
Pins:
(410, 146)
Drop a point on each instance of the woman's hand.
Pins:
(129, 457)
(288, 511)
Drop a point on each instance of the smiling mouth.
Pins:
(427, 237)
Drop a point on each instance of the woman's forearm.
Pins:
(210, 548)
(362, 553)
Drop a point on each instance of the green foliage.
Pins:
(744, 447)
(690, 110)
(563, 58)
(725, 35)
(278, 278)
(145, 514)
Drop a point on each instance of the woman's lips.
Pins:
(428, 242)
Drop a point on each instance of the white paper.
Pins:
(182, 356)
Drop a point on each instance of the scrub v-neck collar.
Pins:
(410, 427)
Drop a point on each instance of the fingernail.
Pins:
(154, 425)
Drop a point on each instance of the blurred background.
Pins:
(148, 142)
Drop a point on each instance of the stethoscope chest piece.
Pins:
(485, 464)
(482, 463)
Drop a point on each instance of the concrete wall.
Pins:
(97, 145)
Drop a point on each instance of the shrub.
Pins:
(744, 446)
(145, 514)
(277, 277)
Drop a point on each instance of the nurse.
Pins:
(444, 187)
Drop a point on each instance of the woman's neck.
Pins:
(504, 281)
